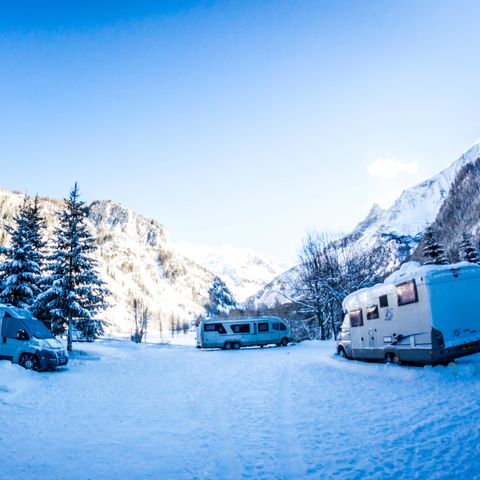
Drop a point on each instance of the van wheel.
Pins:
(284, 342)
(341, 352)
(29, 361)
(227, 346)
(236, 346)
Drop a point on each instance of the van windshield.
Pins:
(21, 312)
(36, 328)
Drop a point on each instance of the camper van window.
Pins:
(383, 300)
(407, 293)
(356, 318)
(263, 327)
(242, 328)
(11, 326)
(220, 328)
(279, 326)
(214, 327)
(372, 312)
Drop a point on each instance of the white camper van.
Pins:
(420, 314)
(233, 333)
(26, 341)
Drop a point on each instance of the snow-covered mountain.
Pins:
(416, 207)
(397, 229)
(136, 259)
(244, 272)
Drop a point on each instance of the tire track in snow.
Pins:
(289, 447)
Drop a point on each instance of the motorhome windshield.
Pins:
(36, 328)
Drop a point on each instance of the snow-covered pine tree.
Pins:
(20, 270)
(433, 251)
(74, 292)
(468, 252)
(36, 227)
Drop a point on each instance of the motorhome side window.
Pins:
(407, 293)
(214, 327)
(356, 318)
(279, 326)
(242, 328)
(372, 312)
(383, 300)
(263, 327)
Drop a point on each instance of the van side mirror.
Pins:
(22, 335)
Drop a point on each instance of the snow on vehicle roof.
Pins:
(406, 272)
(411, 270)
(241, 319)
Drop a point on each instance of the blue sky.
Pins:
(237, 122)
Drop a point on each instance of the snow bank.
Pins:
(15, 379)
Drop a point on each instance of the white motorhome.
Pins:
(233, 333)
(420, 314)
(26, 341)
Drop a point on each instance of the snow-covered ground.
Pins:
(125, 411)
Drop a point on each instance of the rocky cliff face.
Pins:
(459, 213)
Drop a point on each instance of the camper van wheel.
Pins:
(227, 346)
(341, 352)
(29, 361)
(393, 358)
(236, 345)
(284, 342)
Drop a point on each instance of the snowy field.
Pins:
(125, 411)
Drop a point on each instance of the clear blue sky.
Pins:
(238, 122)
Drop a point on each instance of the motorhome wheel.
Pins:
(227, 346)
(236, 345)
(284, 342)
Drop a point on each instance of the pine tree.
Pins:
(36, 227)
(468, 252)
(433, 251)
(20, 272)
(74, 292)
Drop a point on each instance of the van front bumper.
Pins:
(51, 359)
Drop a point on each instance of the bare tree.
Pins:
(140, 319)
(160, 325)
(329, 270)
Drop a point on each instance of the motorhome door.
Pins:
(371, 338)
